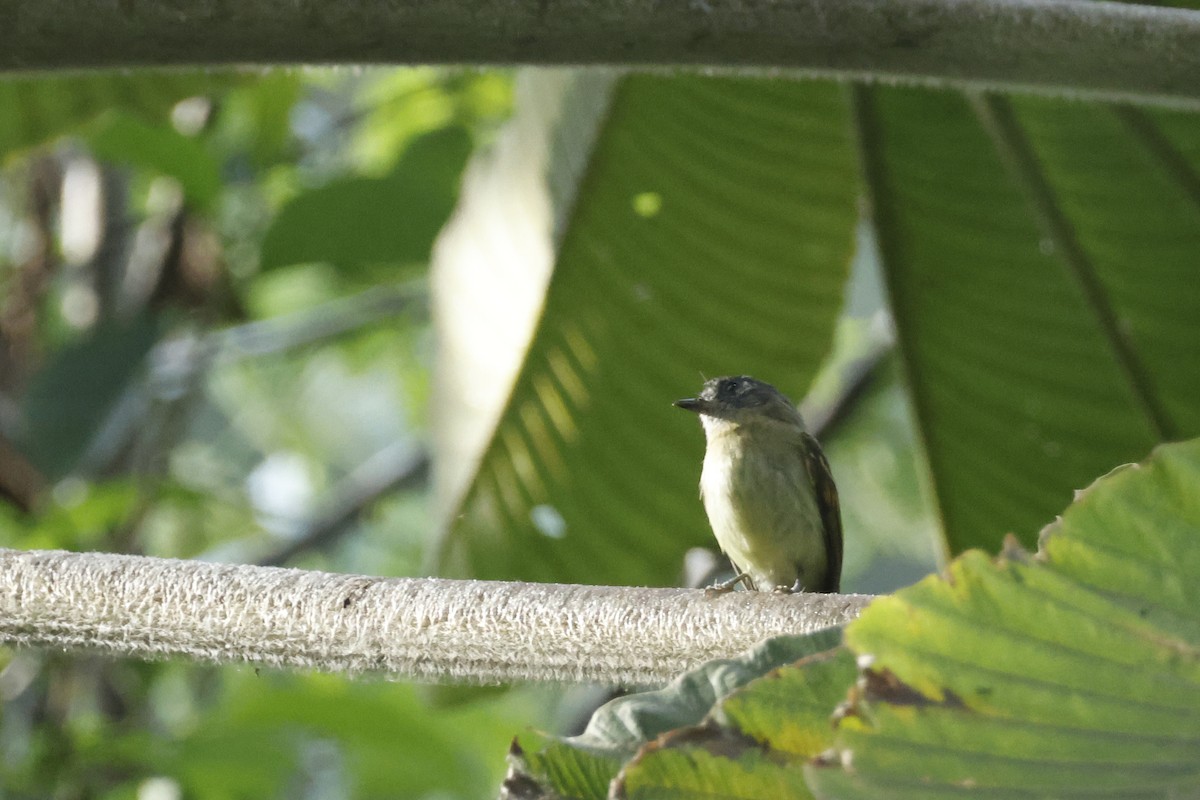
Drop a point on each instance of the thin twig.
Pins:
(857, 379)
(326, 321)
(393, 469)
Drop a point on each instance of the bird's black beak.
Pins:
(690, 404)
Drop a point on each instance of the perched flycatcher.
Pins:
(767, 488)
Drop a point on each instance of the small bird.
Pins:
(767, 488)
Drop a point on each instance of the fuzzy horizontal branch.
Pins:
(1110, 50)
(414, 628)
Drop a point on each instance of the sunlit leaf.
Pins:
(702, 226)
(712, 763)
(1072, 674)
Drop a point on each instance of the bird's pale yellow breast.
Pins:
(760, 503)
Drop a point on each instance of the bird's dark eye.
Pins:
(729, 387)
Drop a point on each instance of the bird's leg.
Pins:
(795, 588)
(726, 586)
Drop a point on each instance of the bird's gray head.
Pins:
(740, 399)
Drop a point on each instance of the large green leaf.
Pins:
(1040, 258)
(1075, 674)
(702, 226)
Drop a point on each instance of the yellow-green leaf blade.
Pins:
(1060, 675)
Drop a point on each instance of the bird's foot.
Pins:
(725, 587)
(795, 588)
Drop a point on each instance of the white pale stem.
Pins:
(412, 628)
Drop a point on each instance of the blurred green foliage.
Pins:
(356, 223)
(173, 397)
